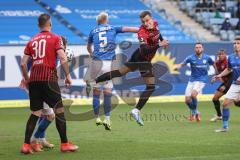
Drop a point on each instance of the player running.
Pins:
(220, 65)
(234, 91)
(103, 39)
(199, 63)
(43, 49)
(150, 40)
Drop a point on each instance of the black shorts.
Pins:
(224, 87)
(137, 62)
(43, 91)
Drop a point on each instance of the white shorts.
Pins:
(196, 85)
(233, 92)
(97, 68)
(47, 110)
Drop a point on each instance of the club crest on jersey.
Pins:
(204, 61)
(142, 40)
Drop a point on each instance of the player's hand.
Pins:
(176, 67)
(214, 79)
(23, 84)
(68, 81)
(164, 43)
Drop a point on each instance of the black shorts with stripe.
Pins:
(224, 87)
(44, 91)
(137, 62)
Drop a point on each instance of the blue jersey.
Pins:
(199, 67)
(234, 64)
(103, 38)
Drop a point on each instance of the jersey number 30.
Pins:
(39, 48)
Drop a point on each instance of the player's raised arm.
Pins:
(180, 65)
(130, 29)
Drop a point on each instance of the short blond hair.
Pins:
(102, 17)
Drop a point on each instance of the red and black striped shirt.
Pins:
(43, 51)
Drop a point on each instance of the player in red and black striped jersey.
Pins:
(150, 40)
(220, 65)
(43, 50)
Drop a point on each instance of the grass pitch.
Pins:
(167, 135)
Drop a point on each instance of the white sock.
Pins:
(42, 139)
(107, 118)
(135, 110)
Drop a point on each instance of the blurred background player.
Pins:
(103, 40)
(43, 49)
(199, 63)
(233, 93)
(150, 40)
(220, 65)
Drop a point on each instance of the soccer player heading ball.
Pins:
(150, 40)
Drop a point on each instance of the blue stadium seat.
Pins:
(75, 13)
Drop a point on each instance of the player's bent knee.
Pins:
(188, 100)
(59, 110)
(107, 91)
(226, 104)
(215, 99)
(150, 87)
(37, 113)
(96, 91)
(51, 117)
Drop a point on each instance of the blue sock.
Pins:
(194, 106)
(107, 104)
(190, 105)
(225, 117)
(96, 103)
(42, 126)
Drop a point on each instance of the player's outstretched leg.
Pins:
(135, 113)
(96, 105)
(107, 76)
(31, 123)
(107, 110)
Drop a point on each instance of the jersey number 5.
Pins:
(102, 39)
(39, 48)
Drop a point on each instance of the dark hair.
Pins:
(237, 38)
(198, 43)
(43, 19)
(222, 51)
(145, 13)
(64, 40)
